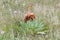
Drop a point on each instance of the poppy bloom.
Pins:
(29, 16)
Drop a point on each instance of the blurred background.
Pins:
(46, 25)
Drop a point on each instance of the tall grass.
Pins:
(46, 25)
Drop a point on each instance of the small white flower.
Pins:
(10, 9)
(15, 11)
(16, 2)
(41, 33)
(3, 6)
(2, 32)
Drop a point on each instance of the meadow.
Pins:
(46, 25)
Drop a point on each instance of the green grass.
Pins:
(12, 26)
(29, 28)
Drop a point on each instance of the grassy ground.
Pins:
(46, 25)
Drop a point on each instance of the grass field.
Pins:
(46, 25)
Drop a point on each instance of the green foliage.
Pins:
(12, 26)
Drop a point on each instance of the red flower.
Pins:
(29, 16)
